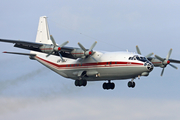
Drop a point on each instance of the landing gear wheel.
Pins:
(84, 82)
(131, 84)
(80, 83)
(76, 82)
(104, 85)
(112, 86)
(108, 86)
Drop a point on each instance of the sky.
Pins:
(29, 90)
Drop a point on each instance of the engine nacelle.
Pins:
(47, 48)
(78, 53)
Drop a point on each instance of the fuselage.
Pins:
(108, 66)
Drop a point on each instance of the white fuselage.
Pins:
(108, 66)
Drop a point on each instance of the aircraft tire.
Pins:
(131, 84)
(108, 86)
(80, 83)
(76, 82)
(112, 86)
(104, 85)
(84, 82)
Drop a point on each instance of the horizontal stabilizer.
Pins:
(20, 53)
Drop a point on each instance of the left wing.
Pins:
(24, 44)
(39, 47)
(54, 49)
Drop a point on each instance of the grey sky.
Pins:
(30, 91)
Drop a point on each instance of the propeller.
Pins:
(88, 52)
(166, 61)
(139, 52)
(57, 48)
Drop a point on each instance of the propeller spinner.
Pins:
(166, 61)
(57, 48)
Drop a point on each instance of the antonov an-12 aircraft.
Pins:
(82, 65)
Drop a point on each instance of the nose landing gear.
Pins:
(131, 84)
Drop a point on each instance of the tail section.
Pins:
(43, 31)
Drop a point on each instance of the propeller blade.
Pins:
(93, 45)
(61, 57)
(174, 61)
(49, 54)
(162, 72)
(93, 58)
(169, 54)
(138, 50)
(64, 44)
(53, 41)
(161, 59)
(149, 55)
(82, 47)
(173, 66)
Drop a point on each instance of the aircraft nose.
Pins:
(149, 66)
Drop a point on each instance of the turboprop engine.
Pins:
(83, 52)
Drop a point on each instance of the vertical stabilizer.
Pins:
(43, 31)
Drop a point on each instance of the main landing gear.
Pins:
(131, 84)
(108, 85)
(80, 83)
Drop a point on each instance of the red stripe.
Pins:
(91, 65)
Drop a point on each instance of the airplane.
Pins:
(82, 65)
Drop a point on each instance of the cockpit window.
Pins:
(136, 57)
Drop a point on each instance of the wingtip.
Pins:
(4, 52)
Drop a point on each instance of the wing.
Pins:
(65, 51)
